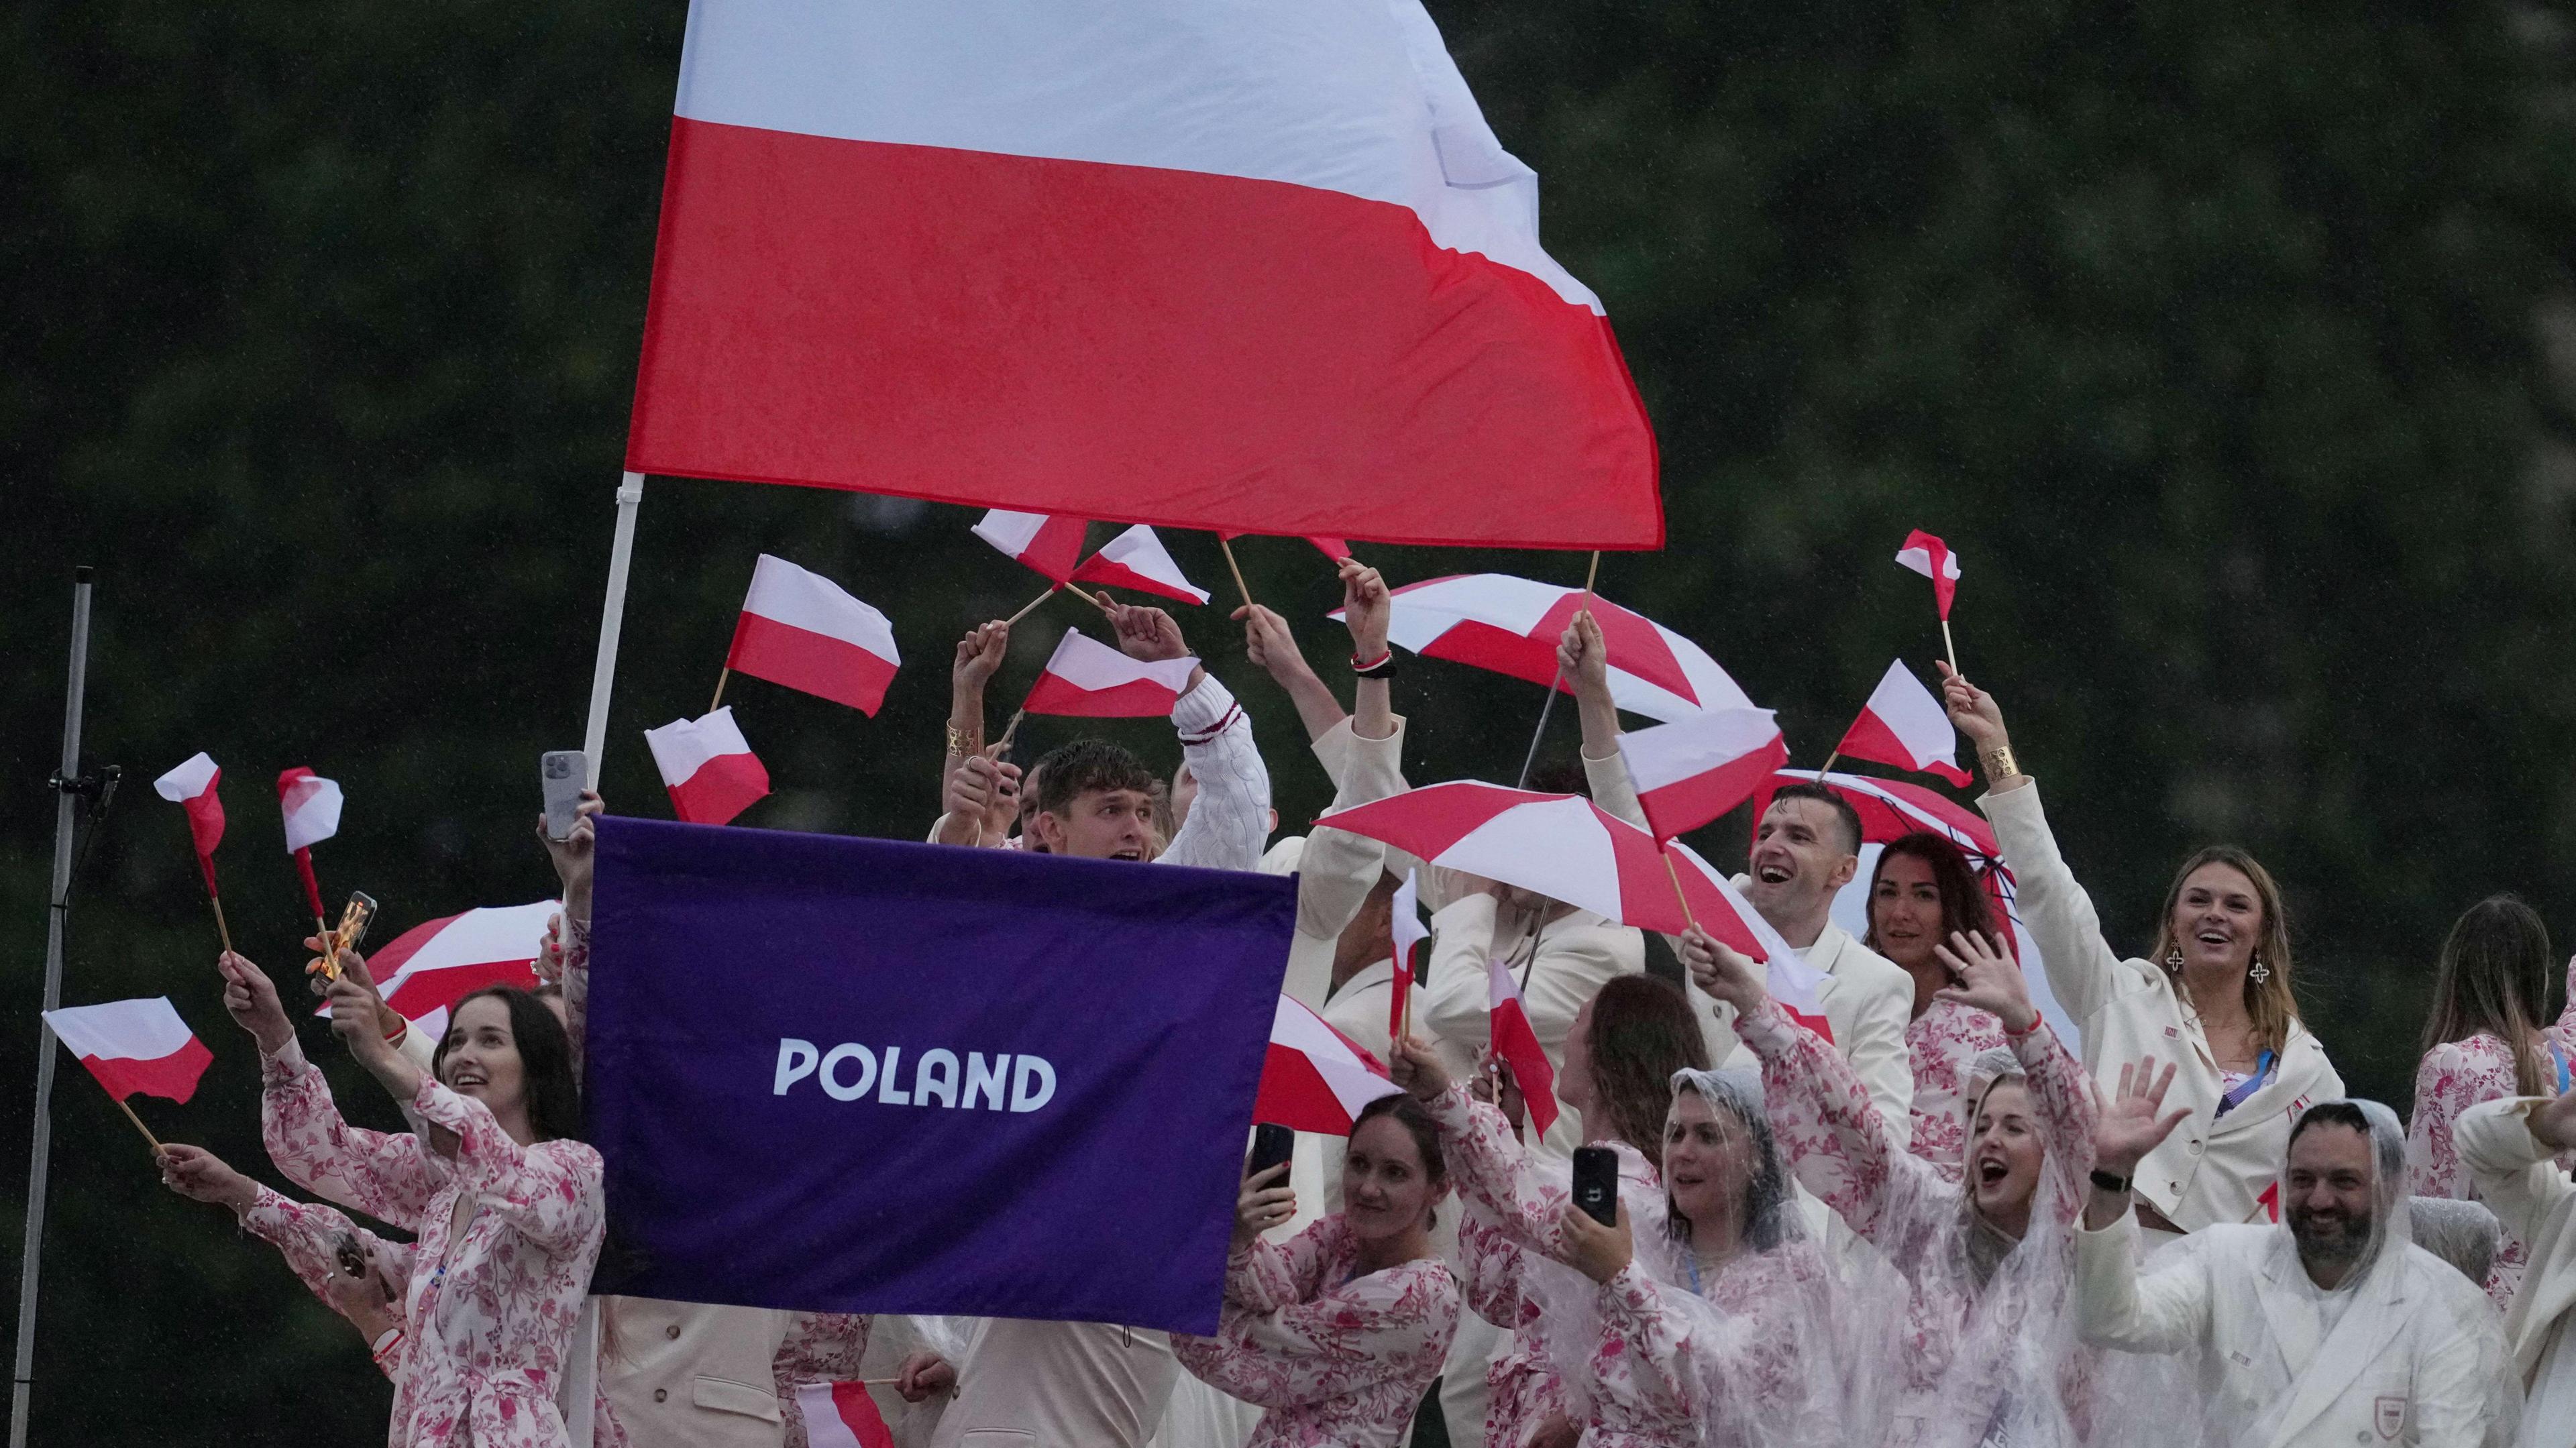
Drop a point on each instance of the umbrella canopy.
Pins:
(1891, 807)
(1511, 625)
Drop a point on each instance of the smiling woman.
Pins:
(2213, 1001)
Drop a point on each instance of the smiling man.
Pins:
(2330, 1327)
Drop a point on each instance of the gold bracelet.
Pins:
(1999, 764)
(960, 744)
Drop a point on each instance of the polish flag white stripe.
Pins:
(1903, 725)
(684, 746)
(1090, 665)
(710, 771)
(1920, 560)
(187, 781)
(841, 1415)
(1301, 1030)
(1011, 532)
(783, 592)
(135, 1030)
(1407, 926)
(1137, 559)
(312, 808)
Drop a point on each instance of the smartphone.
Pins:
(1271, 1145)
(1596, 1183)
(564, 773)
(352, 1257)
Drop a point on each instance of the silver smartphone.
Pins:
(565, 773)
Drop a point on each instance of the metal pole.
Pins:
(612, 618)
(31, 1257)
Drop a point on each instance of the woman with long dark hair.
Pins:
(2211, 997)
(1338, 1331)
(1922, 893)
(505, 1200)
(2483, 1039)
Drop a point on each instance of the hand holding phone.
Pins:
(1596, 1183)
(564, 773)
(1271, 1146)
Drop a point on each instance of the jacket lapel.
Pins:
(2372, 1321)
(2293, 1076)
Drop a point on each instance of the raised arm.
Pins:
(385, 1176)
(1585, 658)
(1230, 821)
(2061, 1093)
(1488, 1165)
(2083, 970)
(1382, 1326)
(2507, 1146)
(549, 1192)
(1339, 868)
(575, 857)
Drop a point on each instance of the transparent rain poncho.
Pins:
(1740, 1353)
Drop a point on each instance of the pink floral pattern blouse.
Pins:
(1915, 1214)
(820, 1347)
(2451, 1078)
(1339, 1361)
(492, 1308)
(1941, 1043)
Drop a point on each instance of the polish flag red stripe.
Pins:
(437, 963)
(1314, 1078)
(1932, 558)
(1166, 261)
(191, 786)
(134, 1046)
(842, 1415)
(711, 773)
(1052, 546)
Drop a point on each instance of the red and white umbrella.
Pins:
(1511, 626)
(1891, 807)
(1562, 846)
(427, 969)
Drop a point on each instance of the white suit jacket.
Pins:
(1867, 998)
(1337, 869)
(2410, 1361)
(2518, 1179)
(2214, 1168)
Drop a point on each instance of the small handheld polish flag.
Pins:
(1137, 559)
(711, 773)
(191, 786)
(1409, 931)
(842, 1415)
(1313, 1077)
(1695, 769)
(136, 1045)
(1517, 1043)
(802, 630)
(1933, 559)
(1049, 544)
(311, 805)
(1903, 725)
(1091, 680)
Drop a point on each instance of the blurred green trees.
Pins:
(2232, 350)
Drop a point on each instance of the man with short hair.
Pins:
(2328, 1328)
(1039, 1384)
(1805, 849)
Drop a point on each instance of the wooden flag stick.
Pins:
(1235, 570)
(720, 683)
(138, 1123)
(1951, 648)
(1002, 745)
(1593, 572)
(1829, 766)
(221, 928)
(1031, 606)
(1530, 761)
(1665, 850)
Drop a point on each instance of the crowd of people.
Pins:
(1935, 1223)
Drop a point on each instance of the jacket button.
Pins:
(672, 1332)
(661, 1395)
(2194, 1148)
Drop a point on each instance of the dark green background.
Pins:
(2232, 350)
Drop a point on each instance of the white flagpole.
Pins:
(612, 618)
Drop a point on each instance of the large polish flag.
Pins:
(801, 630)
(1693, 770)
(131, 1046)
(1314, 1078)
(842, 1415)
(1903, 725)
(708, 768)
(1089, 679)
(1137, 559)
(1207, 263)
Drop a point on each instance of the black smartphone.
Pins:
(1271, 1145)
(1596, 1183)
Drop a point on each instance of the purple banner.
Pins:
(835, 1074)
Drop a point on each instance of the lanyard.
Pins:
(2248, 1086)
(2558, 1058)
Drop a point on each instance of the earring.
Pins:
(2261, 972)
(2173, 958)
